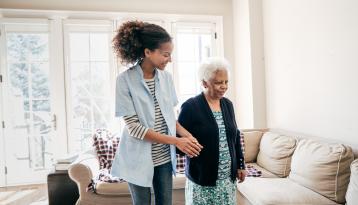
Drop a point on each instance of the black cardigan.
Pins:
(196, 116)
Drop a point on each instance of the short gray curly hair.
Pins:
(211, 65)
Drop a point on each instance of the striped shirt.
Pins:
(160, 152)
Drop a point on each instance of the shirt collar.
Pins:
(140, 72)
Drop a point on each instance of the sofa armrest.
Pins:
(82, 171)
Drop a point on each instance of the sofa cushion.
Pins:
(322, 167)
(252, 144)
(276, 152)
(352, 191)
(279, 191)
(119, 188)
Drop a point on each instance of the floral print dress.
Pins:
(224, 193)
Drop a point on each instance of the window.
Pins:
(194, 43)
(28, 73)
(90, 79)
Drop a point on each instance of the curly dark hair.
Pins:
(134, 36)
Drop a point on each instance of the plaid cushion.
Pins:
(242, 142)
(180, 164)
(106, 145)
(252, 171)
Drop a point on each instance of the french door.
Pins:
(27, 115)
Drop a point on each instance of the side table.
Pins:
(61, 189)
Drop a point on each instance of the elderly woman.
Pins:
(210, 118)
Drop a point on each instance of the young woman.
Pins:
(145, 99)
(210, 118)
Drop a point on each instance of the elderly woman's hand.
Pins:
(189, 145)
(241, 174)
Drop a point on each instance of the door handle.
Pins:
(54, 122)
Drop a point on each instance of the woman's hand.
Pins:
(241, 174)
(189, 145)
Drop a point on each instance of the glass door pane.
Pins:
(27, 108)
(193, 45)
(90, 90)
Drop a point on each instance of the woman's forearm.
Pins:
(188, 145)
(157, 137)
(153, 136)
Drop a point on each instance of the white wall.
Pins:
(243, 75)
(311, 59)
(250, 68)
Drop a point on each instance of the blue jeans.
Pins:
(162, 186)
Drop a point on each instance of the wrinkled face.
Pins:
(161, 56)
(217, 85)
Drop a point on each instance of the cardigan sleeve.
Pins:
(184, 119)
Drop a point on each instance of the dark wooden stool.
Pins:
(61, 189)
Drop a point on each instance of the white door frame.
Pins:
(57, 89)
(2, 140)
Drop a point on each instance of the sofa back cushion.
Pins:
(352, 192)
(275, 153)
(252, 145)
(322, 167)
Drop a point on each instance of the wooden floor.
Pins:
(178, 197)
(37, 195)
(21, 195)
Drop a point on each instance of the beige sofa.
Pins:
(298, 170)
(82, 171)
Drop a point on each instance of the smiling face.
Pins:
(217, 85)
(161, 56)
